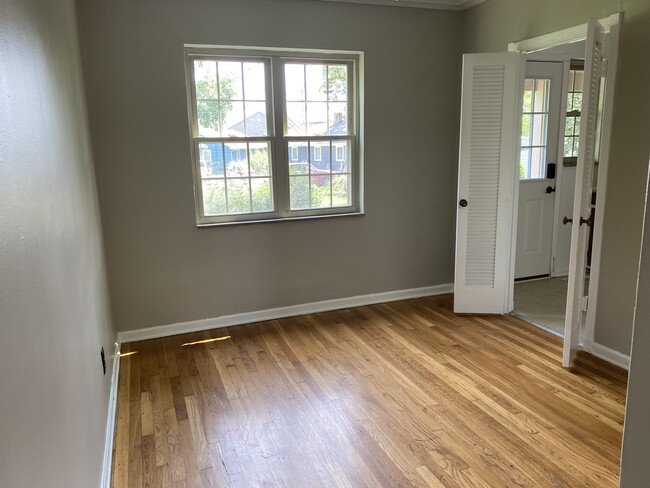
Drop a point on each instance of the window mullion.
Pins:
(225, 176)
(281, 150)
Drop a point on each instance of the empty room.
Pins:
(324, 243)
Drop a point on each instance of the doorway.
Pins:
(548, 142)
(540, 142)
(551, 125)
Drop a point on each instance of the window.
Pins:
(281, 130)
(574, 107)
(534, 128)
(206, 156)
(340, 153)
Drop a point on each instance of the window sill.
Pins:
(280, 219)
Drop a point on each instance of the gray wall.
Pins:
(162, 269)
(490, 26)
(635, 469)
(53, 302)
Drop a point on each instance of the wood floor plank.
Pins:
(402, 394)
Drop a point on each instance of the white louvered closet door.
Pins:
(576, 300)
(487, 182)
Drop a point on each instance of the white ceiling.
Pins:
(437, 4)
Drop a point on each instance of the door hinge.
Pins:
(585, 303)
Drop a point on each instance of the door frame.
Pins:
(611, 25)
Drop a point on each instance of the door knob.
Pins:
(567, 220)
(588, 221)
(463, 203)
(550, 189)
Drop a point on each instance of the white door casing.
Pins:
(536, 208)
(582, 199)
(487, 182)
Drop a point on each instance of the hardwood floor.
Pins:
(392, 395)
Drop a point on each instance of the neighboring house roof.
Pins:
(339, 128)
(256, 126)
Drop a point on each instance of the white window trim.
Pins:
(295, 156)
(342, 149)
(278, 141)
(203, 153)
(318, 153)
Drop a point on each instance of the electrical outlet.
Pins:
(103, 360)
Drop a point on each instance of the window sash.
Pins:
(276, 122)
(351, 94)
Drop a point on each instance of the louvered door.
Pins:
(487, 182)
(576, 300)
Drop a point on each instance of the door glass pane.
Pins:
(524, 164)
(534, 128)
(540, 124)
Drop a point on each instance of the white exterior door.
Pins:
(487, 182)
(576, 301)
(539, 147)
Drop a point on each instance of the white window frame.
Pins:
(295, 156)
(318, 153)
(279, 156)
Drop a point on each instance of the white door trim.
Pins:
(564, 36)
(611, 25)
(107, 463)
(603, 168)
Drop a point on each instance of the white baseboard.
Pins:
(281, 312)
(609, 355)
(107, 464)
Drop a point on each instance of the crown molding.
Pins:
(430, 4)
